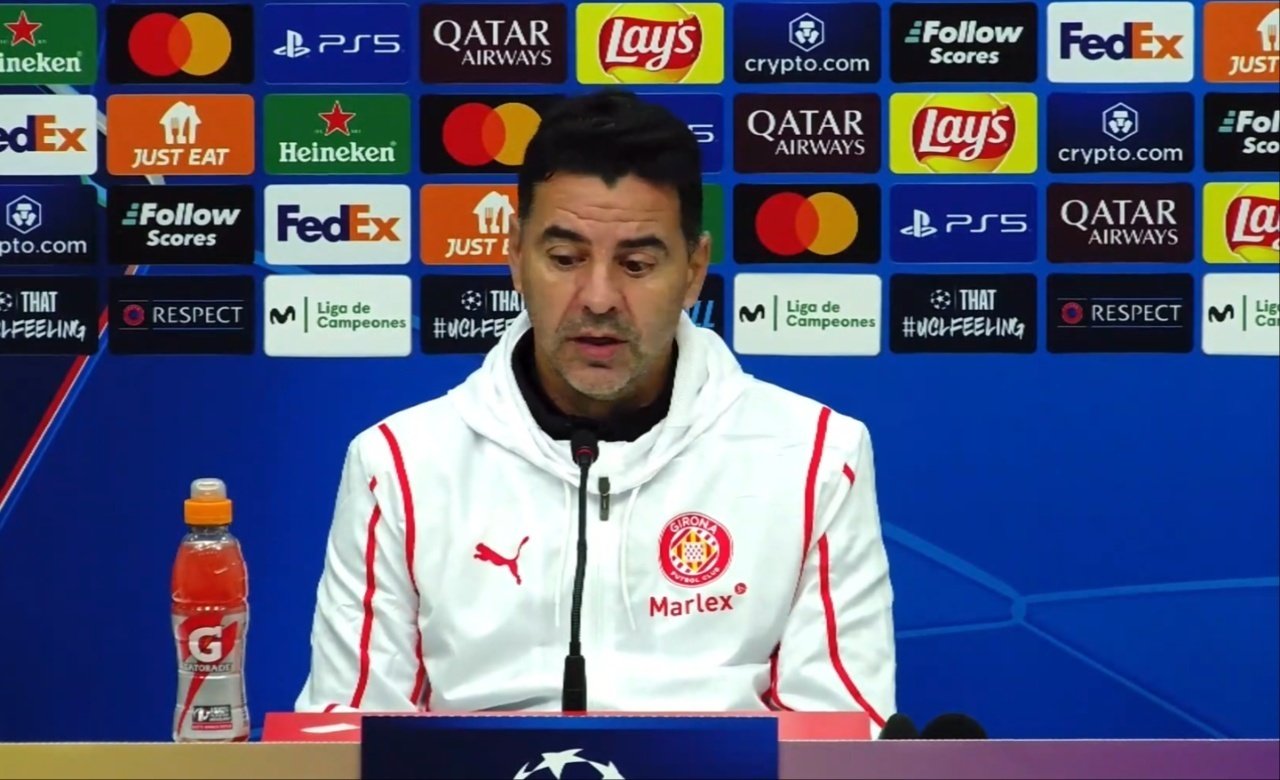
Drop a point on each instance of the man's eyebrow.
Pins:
(557, 233)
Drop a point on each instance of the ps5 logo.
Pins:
(295, 45)
(922, 224)
(704, 133)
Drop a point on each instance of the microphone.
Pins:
(573, 697)
(953, 725)
(899, 726)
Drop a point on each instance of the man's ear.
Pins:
(513, 256)
(699, 259)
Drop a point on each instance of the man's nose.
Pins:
(599, 291)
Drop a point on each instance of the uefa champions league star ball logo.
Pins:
(568, 765)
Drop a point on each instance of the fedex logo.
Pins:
(336, 224)
(1113, 42)
(353, 222)
(1139, 41)
(48, 134)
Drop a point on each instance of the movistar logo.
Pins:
(750, 315)
(279, 317)
(1222, 315)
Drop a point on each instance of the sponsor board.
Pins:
(1113, 43)
(179, 44)
(48, 225)
(798, 133)
(968, 313)
(963, 132)
(821, 43)
(1241, 314)
(1242, 132)
(48, 315)
(48, 135)
(335, 43)
(1120, 132)
(53, 43)
(478, 133)
(1119, 312)
(336, 224)
(963, 223)
(494, 43)
(328, 134)
(466, 313)
(704, 113)
(806, 314)
(650, 43)
(337, 315)
(1241, 222)
(180, 135)
(1121, 223)
(806, 223)
(956, 42)
(180, 224)
(1242, 42)
(181, 315)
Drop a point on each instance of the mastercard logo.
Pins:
(823, 223)
(197, 44)
(476, 134)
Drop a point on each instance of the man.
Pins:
(735, 559)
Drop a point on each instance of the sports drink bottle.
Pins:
(210, 618)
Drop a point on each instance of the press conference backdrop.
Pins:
(1033, 246)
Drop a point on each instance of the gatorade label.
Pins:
(211, 695)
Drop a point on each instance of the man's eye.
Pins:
(563, 260)
(635, 266)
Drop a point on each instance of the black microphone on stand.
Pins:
(573, 698)
(899, 726)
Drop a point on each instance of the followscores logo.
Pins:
(336, 224)
(963, 223)
(939, 42)
(807, 314)
(191, 225)
(505, 43)
(337, 315)
(1241, 314)
(963, 132)
(1242, 131)
(179, 44)
(837, 223)
(830, 42)
(330, 43)
(704, 114)
(1120, 132)
(48, 135)
(1121, 42)
(47, 225)
(1241, 222)
(478, 133)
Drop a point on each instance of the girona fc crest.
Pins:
(694, 550)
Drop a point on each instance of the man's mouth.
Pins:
(598, 341)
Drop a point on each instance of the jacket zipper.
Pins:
(604, 498)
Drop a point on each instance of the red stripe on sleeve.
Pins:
(833, 644)
(410, 539)
(370, 586)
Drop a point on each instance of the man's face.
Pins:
(605, 272)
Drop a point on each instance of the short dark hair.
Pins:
(612, 133)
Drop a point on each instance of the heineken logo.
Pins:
(48, 44)
(337, 134)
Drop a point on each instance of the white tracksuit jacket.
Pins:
(740, 567)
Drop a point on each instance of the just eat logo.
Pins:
(1117, 42)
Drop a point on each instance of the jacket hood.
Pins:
(708, 380)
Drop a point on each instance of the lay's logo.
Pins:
(48, 135)
(1242, 222)
(963, 133)
(650, 43)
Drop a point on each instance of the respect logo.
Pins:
(963, 132)
(1242, 222)
(478, 133)
(650, 43)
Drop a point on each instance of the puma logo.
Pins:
(485, 553)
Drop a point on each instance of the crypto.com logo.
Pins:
(825, 223)
(475, 134)
(806, 32)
